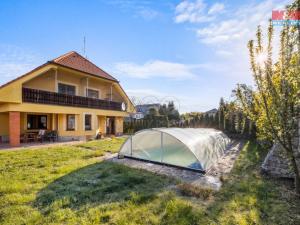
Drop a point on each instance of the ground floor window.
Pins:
(88, 122)
(71, 122)
(36, 122)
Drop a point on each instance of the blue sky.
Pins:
(191, 51)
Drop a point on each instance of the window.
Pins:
(92, 93)
(36, 122)
(88, 122)
(66, 89)
(70, 122)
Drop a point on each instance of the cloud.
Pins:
(165, 69)
(228, 36)
(196, 11)
(156, 68)
(238, 24)
(216, 8)
(15, 61)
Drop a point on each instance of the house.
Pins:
(211, 112)
(145, 108)
(69, 95)
(142, 110)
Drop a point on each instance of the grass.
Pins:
(70, 185)
(105, 145)
(190, 190)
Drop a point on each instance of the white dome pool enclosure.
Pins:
(191, 148)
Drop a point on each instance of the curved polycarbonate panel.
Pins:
(147, 145)
(126, 147)
(176, 153)
(197, 148)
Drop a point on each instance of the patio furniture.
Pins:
(23, 138)
(41, 135)
(30, 136)
(51, 136)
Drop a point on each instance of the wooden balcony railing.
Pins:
(53, 98)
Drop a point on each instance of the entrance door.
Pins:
(110, 125)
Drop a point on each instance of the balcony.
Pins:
(53, 98)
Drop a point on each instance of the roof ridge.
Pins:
(63, 56)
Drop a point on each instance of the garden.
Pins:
(74, 185)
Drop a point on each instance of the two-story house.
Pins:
(69, 94)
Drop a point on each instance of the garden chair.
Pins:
(41, 135)
(52, 136)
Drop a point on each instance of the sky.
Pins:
(192, 52)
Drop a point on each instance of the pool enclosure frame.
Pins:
(162, 149)
(162, 163)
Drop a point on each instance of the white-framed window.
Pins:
(71, 122)
(92, 93)
(66, 89)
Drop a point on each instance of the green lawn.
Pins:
(69, 185)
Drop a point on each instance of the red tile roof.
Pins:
(75, 61)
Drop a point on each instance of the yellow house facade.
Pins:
(69, 95)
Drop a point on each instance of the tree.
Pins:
(153, 112)
(172, 112)
(221, 114)
(274, 105)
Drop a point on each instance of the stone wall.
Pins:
(277, 163)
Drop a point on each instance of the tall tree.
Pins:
(221, 114)
(274, 105)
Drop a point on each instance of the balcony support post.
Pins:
(111, 92)
(55, 80)
(87, 87)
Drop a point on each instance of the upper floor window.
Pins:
(66, 89)
(90, 93)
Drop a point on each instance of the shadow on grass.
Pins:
(248, 197)
(98, 184)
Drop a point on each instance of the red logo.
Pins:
(285, 15)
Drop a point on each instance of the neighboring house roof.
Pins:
(144, 108)
(76, 61)
(212, 111)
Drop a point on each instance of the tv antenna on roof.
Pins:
(84, 47)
